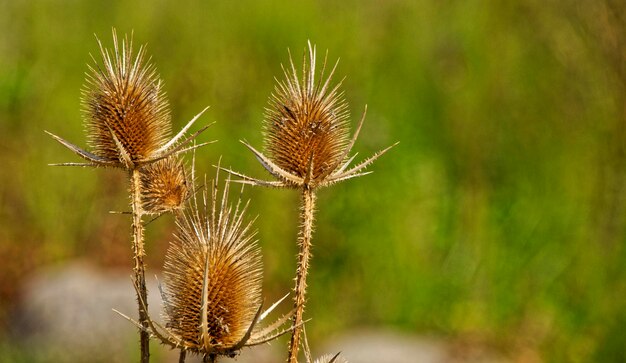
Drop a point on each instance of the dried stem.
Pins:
(139, 268)
(183, 356)
(304, 241)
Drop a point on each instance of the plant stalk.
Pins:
(183, 356)
(139, 265)
(304, 242)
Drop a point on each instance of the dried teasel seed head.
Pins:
(307, 122)
(125, 109)
(164, 186)
(213, 277)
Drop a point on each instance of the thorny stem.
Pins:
(183, 355)
(304, 241)
(139, 267)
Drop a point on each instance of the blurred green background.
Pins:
(500, 218)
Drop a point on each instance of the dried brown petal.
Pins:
(126, 113)
(330, 358)
(164, 186)
(307, 122)
(125, 110)
(213, 275)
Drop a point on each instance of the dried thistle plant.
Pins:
(128, 126)
(212, 282)
(308, 146)
(327, 358)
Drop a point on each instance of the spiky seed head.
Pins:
(307, 121)
(125, 109)
(126, 113)
(306, 132)
(212, 276)
(164, 186)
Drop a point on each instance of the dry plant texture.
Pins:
(164, 186)
(308, 145)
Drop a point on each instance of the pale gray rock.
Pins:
(386, 346)
(66, 312)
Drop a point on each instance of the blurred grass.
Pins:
(499, 217)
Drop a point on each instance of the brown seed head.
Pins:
(307, 122)
(329, 358)
(213, 275)
(164, 186)
(125, 110)
(126, 113)
(306, 130)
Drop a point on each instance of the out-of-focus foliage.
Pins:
(499, 218)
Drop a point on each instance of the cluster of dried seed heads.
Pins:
(213, 270)
(125, 109)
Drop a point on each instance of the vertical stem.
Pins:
(139, 267)
(304, 242)
(183, 356)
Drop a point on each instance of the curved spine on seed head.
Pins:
(125, 109)
(126, 112)
(164, 186)
(307, 122)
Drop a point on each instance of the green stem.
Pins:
(139, 268)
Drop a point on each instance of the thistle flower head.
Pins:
(126, 112)
(125, 109)
(307, 122)
(307, 133)
(164, 186)
(212, 281)
(329, 358)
